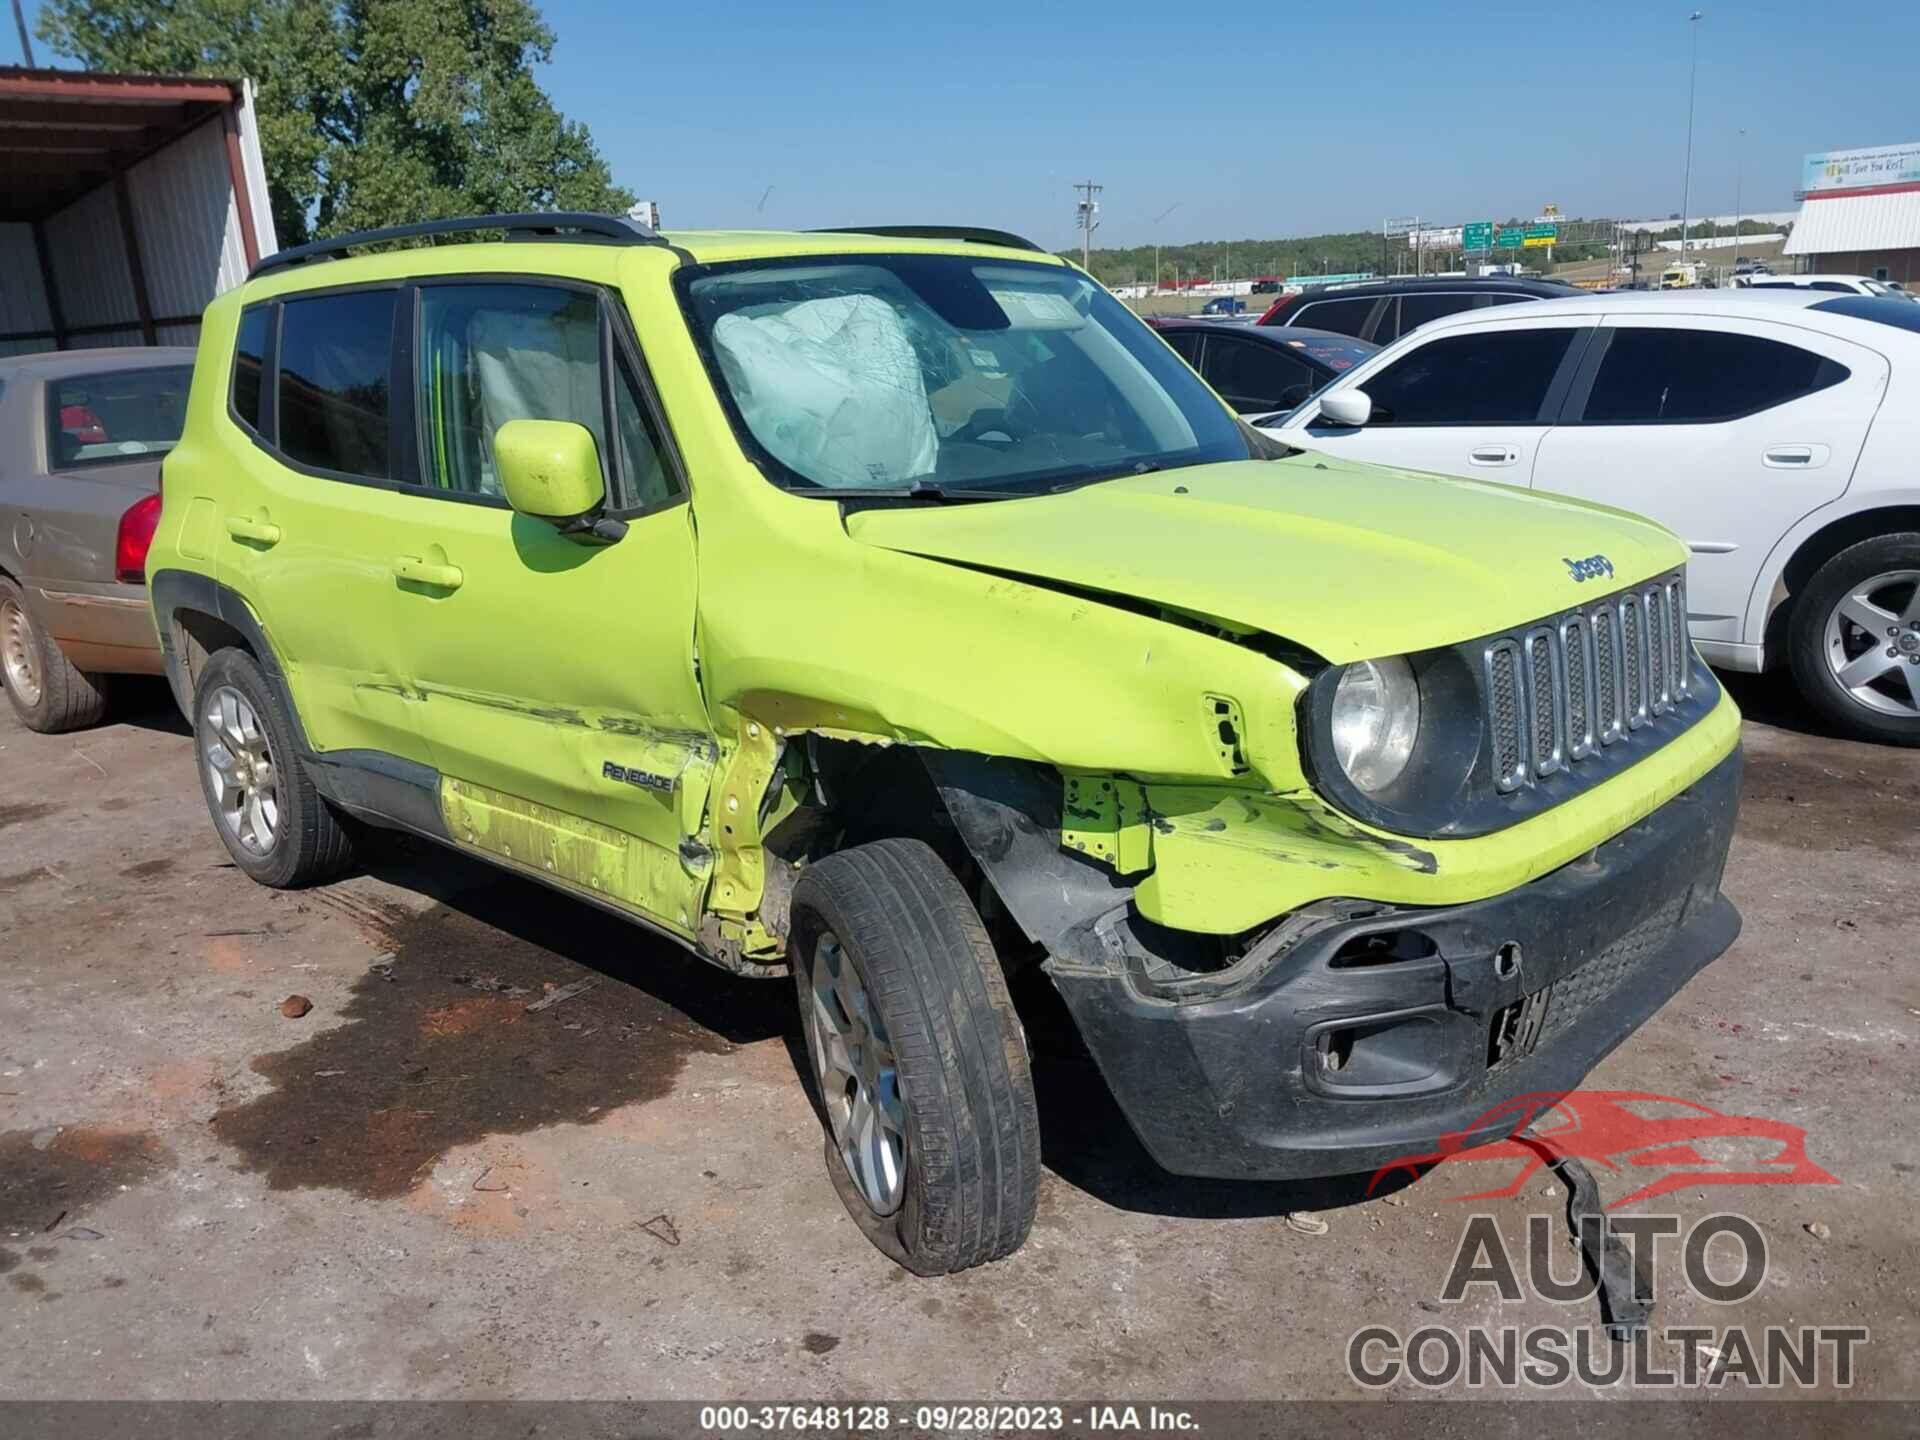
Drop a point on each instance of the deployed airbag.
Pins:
(832, 388)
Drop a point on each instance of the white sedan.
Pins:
(1776, 432)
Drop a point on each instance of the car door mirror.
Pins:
(550, 470)
(1346, 407)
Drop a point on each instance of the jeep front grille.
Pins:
(1559, 692)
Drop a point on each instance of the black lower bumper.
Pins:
(1370, 1039)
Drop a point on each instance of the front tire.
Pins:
(273, 822)
(1854, 641)
(49, 692)
(933, 1136)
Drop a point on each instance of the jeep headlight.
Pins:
(1375, 721)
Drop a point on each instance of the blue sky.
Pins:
(1257, 121)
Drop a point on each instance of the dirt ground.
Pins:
(421, 1188)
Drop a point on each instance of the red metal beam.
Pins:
(237, 178)
(79, 85)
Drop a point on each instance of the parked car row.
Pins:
(999, 644)
(1775, 431)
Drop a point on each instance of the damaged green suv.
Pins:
(896, 609)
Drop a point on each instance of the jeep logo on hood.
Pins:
(1590, 568)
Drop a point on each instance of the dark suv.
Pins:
(1384, 310)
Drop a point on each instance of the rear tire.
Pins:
(49, 692)
(904, 1003)
(1862, 678)
(273, 822)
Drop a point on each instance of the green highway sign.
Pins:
(1477, 236)
(1514, 237)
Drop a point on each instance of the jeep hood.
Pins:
(1348, 560)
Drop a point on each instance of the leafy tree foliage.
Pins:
(371, 112)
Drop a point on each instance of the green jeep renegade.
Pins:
(894, 608)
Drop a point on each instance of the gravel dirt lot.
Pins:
(420, 1189)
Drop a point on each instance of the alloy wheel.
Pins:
(1873, 643)
(240, 769)
(859, 1077)
(19, 652)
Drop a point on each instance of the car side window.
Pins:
(1386, 329)
(1186, 343)
(1493, 377)
(1254, 378)
(1652, 375)
(1344, 317)
(249, 364)
(334, 401)
(494, 353)
(648, 480)
(1417, 310)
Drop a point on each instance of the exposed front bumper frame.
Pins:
(1241, 1084)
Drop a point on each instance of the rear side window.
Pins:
(334, 400)
(249, 364)
(1492, 377)
(1343, 317)
(1653, 376)
(115, 416)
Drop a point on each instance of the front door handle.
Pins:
(425, 572)
(1493, 455)
(240, 527)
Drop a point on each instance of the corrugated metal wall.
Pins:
(186, 223)
(90, 263)
(23, 301)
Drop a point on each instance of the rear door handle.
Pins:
(425, 572)
(1795, 457)
(1493, 455)
(258, 531)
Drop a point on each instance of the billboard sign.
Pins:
(1393, 228)
(1861, 169)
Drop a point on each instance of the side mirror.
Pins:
(551, 471)
(1346, 407)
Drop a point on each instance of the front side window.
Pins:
(876, 373)
(494, 353)
(115, 416)
(1490, 377)
(334, 401)
(1417, 310)
(1653, 375)
(1257, 379)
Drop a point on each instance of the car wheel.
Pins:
(48, 692)
(273, 822)
(1854, 643)
(933, 1138)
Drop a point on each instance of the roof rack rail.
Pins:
(534, 225)
(978, 234)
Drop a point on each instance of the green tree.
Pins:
(371, 112)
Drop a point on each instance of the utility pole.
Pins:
(1693, 72)
(26, 40)
(1088, 211)
(1156, 243)
(1739, 174)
